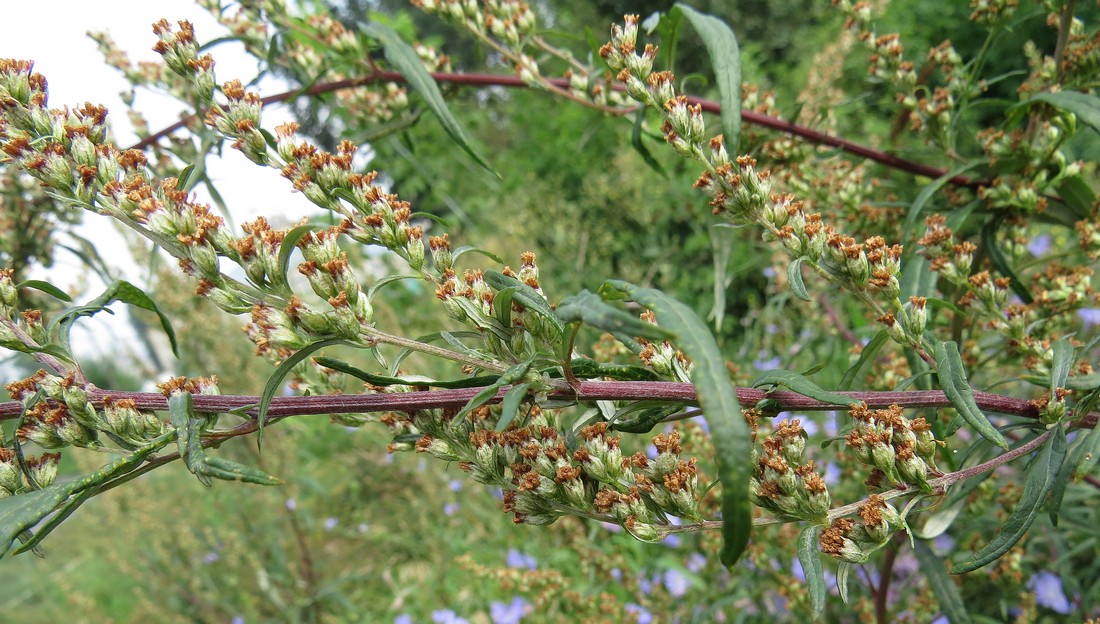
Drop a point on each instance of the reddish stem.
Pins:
(585, 391)
(495, 80)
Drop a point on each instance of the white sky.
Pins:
(52, 33)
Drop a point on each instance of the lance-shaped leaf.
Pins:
(942, 586)
(188, 425)
(47, 288)
(22, 512)
(383, 380)
(590, 309)
(405, 60)
(957, 389)
(276, 381)
(800, 384)
(508, 377)
(810, 558)
(725, 58)
(716, 395)
(794, 278)
(119, 290)
(524, 295)
(1085, 106)
(1040, 479)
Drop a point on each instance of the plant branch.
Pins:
(585, 391)
(495, 80)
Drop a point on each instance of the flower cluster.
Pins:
(545, 477)
(901, 452)
(854, 541)
(782, 483)
(59, 414)
(41, 472)
(509, 21)
(742, 194)
(665, 359)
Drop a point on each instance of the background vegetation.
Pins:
(360, 535)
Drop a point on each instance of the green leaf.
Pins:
(21, 512)
(590, 309)
(286, 247)
(798, 383)
(1077, 195)
(842, 571)
(1040, 478)
(487, 394)
(953, 381)
(865, 356)
(586, 368)
(185, 176)
(794, 278)
(716, 396)
(810, 558)
(385, 281)
(227, 470)
(725, 58)
(381, 380)
(509, 406)
(124, 291)
(643, 416)
(1061, 361)
(458, 252)
(65, 510)
(941, 584)
(181, 413)
(997, 258)
(47, 288)
(1085, 106)
(405, 60)
(276, 381)
(524, 295)
(502, 306)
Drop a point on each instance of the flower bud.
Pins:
(43, 469)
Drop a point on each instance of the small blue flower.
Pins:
(237, 619)
(331, 523)
(616, 574)
(796, 569)
(1091, 316)
(517, 559)
(210, 557)
(291, 504)
(672, 540)
(404, 618)
(676, 583)
(511, 613)
(1039, 245)
(695, 563)
(447, 616)
(761, 364)
(642, 615)
(832, 473)
(455, 485)
(943, 544)
(1049, 592)
(450, 509)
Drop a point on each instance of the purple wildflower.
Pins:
(1049, 592)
